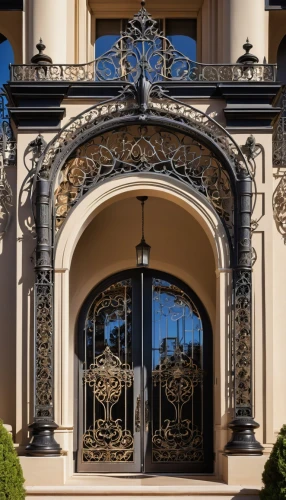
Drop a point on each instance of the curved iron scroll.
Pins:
(142, 48)
(107, 440)
(145, 149)
(177, 140)
(177, 440)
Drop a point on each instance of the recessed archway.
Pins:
(84, 237)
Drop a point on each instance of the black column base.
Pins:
(243, 441)
(43, 443)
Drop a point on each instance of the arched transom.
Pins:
(144, 149)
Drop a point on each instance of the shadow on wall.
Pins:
(281, 61)
(7, 261)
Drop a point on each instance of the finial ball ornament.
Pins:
(41, 59)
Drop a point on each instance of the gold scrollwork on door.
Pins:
(107, 440)
(177, 440)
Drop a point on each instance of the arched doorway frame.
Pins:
(149, 105)
(81, 216)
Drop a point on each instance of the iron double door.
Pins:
(145, 378)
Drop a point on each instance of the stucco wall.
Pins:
(11, 27)
(178, 246)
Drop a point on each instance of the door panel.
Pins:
(110, 376)
(175, 385)
(146, 378)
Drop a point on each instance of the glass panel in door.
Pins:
(108, 437)
(145, 378)
(175, 398)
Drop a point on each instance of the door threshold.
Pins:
(147, 475)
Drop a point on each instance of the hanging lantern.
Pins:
(142, 249)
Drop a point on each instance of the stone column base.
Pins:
(39, 471)
(243, 470)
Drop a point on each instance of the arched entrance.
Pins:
(143, 131)
(144, 356)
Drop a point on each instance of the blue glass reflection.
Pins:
(184, 44)
(175, 324)
(6, 57)
(104, 43)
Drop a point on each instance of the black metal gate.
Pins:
(145, 377)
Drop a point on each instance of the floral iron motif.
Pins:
(107, 441)
(44, 345)
(106, 376)
(242, 347)
(177, 440)
(144, 149)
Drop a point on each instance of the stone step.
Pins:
(217, 491)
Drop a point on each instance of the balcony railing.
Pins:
(143, 50)
(111, 69)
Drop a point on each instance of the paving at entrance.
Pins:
(109, 487)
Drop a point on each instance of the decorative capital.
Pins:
(247, 58)
(41, 58)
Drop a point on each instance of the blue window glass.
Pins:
(107, 32)
(6, 57)
(182, 33)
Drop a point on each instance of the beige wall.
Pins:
(277, 30)
(178, 246)
(11, 27)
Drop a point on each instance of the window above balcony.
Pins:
(182, 33)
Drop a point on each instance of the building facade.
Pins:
(125, 369)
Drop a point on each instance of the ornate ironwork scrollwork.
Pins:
(144, 149)
(279, 203)
(143, 48)
(106, 376)
(242, 347)
(279, 160)
(44, 344)
(99, 114)
(177, 440)
(106, 440)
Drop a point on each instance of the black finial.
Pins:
(247, 58)
(41, 58)
(143, 3)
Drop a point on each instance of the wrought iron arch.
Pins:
(160, 146)
(143, 104)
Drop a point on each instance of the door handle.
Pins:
(138, 414)
(147, 416)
